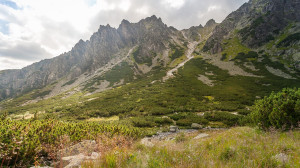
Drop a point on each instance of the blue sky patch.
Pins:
(4, 27)
(90, 2)
(9, 3)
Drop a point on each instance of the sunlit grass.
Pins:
(112, 118)
(236, 147)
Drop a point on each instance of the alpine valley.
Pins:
(148, 75)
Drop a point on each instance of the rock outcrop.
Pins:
(256, 22)
(151, 36)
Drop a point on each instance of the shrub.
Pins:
(280, 110)
(22, 141)
(186, 119)
(178, 116)
(224, 56)
(243, 56)
(225, 117)
(143, 122)
(198, 120)
(184, 122)
(159, 111)
(163, 121)
(289, 40)
(245, 120)
(244, 112)
(177, 51)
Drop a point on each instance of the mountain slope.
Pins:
(257, 21)
(151, 35)
(271, 27)
(148, 68)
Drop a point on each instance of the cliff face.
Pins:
(254, 25)
(150, 34)
(257, 22)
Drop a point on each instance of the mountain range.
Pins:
(151, 68)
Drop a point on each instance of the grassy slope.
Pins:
(183, 93)
(236, 147)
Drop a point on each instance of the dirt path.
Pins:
(189, 55)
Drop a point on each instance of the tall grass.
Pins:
(236, 147)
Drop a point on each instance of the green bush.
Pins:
(159, 111)
(280, 110)
(244, 112)
(178, 116)
(225, 117)
(190, 118)
(244, 56)
(199, 120)
(22, 141)
(289, 40)
(143, 122)
(184, 122)
(224, 56)
(177, 51)
(163, 121)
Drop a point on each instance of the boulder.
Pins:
(174, 128)
(75, 161)
(72, 156)
(196, 126)
(85, 146)
(202, 135)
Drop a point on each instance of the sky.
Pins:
(33, 30)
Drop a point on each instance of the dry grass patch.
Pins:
(235, 147)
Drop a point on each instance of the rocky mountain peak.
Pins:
(149, 39)
(257, 22)
(80, 43)
(103, 27)
(124, 22)
(152, 19)
(210, 23)
(124, 26)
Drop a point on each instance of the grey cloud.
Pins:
(64, 35)
(184, 17)
(59, 34)
(24, 51)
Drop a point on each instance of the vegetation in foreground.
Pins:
(27, 142)
(22, 143)
(280, 110)
(236, 147)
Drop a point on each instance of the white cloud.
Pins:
(40, 29)
(213, 7)
(143, 10)
(124, 5)
(174, 3)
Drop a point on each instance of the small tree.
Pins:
(280, 110)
